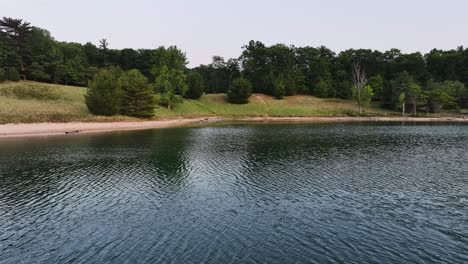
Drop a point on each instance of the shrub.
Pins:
(239, 91)
(104, 93)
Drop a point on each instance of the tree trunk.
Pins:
(23, 71)
(403, 109)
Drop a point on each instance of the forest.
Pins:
(427, 82)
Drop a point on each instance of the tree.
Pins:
(438, 99)
(195, 85)
(105, 92)
(377, 84)
(364, 97)
(2, 75)
(171, 84)
(413, 96)
(103, 48)
(360, 80)
(16, 31)
(168, 71)
(324, 89)
(279, 87)
(257, 71)
(12, 74)
(72, 70)
(37, 72)
(402, 102)
(137, 95)
(456, 90)
(239, 91)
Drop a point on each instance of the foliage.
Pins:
(279, 90)
(218, 75)
(104, 93)
(137, 95)
(195, 85)
(171, 84)
(2, 75)
(240, 91)
(377, 84)
(365, 97)
(324, 89)
(12, 74)
(438, 99)
(170, 99)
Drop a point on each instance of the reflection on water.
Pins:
(238, 193)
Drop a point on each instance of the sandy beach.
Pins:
(47, 129)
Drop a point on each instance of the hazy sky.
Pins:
(203, 28)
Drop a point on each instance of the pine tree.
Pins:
(137, 95)
(239, 91)
(104, 93)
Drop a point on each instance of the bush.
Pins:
(105, 93)
(195, 85)
(240, 91)
(137, 95)
(12, 74)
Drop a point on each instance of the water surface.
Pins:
(238, 194)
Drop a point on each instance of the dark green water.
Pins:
(238, 194)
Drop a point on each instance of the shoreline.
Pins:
(49, 129)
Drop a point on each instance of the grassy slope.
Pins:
(263, 105)
(26, 102)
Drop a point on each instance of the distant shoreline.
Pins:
(49, 129)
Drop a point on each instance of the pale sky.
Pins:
(203, 28)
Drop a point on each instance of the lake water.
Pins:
(265, 193)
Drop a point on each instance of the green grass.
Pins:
(27, 102)
(263, 105)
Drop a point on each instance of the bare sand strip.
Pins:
(46, 129)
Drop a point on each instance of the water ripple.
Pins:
(238, 194)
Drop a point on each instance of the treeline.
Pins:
(428, 82)
(33, 54)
